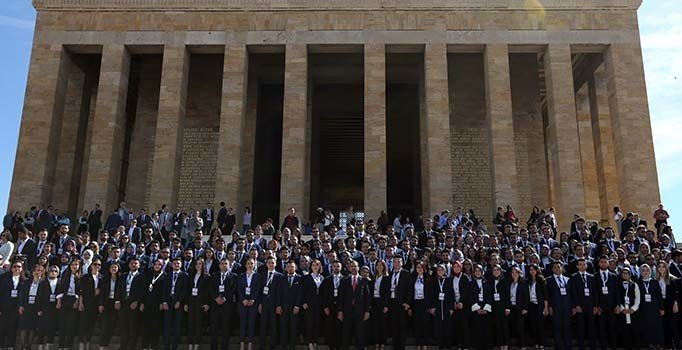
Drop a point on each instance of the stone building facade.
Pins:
(410, 106)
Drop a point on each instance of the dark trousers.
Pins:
(68, 321)
(442, 327)
(398, 317)
(353, 327)
(47, 325)
(561, 326)
(247, 323)
(606, 323)
(195, 322)
(268, 327)
(584, 324)
(536, 323)
(421, 325)
(152, 321)
(500, 325)
(221, 316)
(377, 323)
(172, 327)
(480, 330)
(460, 328)
(670, 331)
(109, 323)
(517, 323)
(130, 325)
(8, 326)
(332, 336)
(288, 328)
(87, 321)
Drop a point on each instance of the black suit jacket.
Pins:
(404, 291)
(89, 294)
(291, 296)
(137, 288)
(229, 288)
(182, 289)
(577, 286)
(354, 303)
(274, 289)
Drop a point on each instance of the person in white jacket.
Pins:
(6, 249)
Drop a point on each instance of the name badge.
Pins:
(627, 300)
(647, 298)
(111, 294)
(14, 293)
(336, 293)
(266, 290)
(60, 251)
(151, 286)
(562, 291)
(480, 296)
(53, 298)
(496, 296)
(605, 290)
(247, 290)
(31, 299)
(195, 292)
(587, 292)
(221, 288)
(441, 296)
(419, 295)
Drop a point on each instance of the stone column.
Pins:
(294, 160)
(501, 119)
(587, 155)
(607, 175)
(108, 129)
(436, 157)
(563, 144)
(169, 123)
(633, 143)
(232, 109)
(41, 122)
(375, 129)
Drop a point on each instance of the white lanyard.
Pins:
(196, 279)
(646, 286)
(223, 275)
(441, 282)
(271, 275)
(248, 279)
(394, 280)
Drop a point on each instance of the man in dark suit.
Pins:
(560, 306)
(26, 246)
(134, 232)
(583, 288)
(268, 308)
(223, 288)
(208, 215)
(222, 218)
(607, 284)
(400, 298)
(290, 301)
(330, 301)
(95, 222)
(132, 290)
(609, 241)
(175, 288)
(143, 219)
(113, 221)
(354, 297)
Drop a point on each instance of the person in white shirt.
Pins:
(6, 249)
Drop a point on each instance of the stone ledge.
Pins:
(248, 5)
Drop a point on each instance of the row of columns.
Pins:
(636, 185)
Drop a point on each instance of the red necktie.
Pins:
(355, 283)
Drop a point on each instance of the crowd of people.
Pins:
(169, 278)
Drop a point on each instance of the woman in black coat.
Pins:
(380, 289)
(47, 307)
(442, 306)
(197, 303)
(518, 301)
(420, 305)
(68, 302)
(91, 284)
(312, 302)
(29, 308)
(538, 305)
(651, 310)
(110, 303)
(501, 307)
(481, 296)
(151, 305)
(461, 315)
(11, 287)
(628, 294)
(670, 286)
(249, 290)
